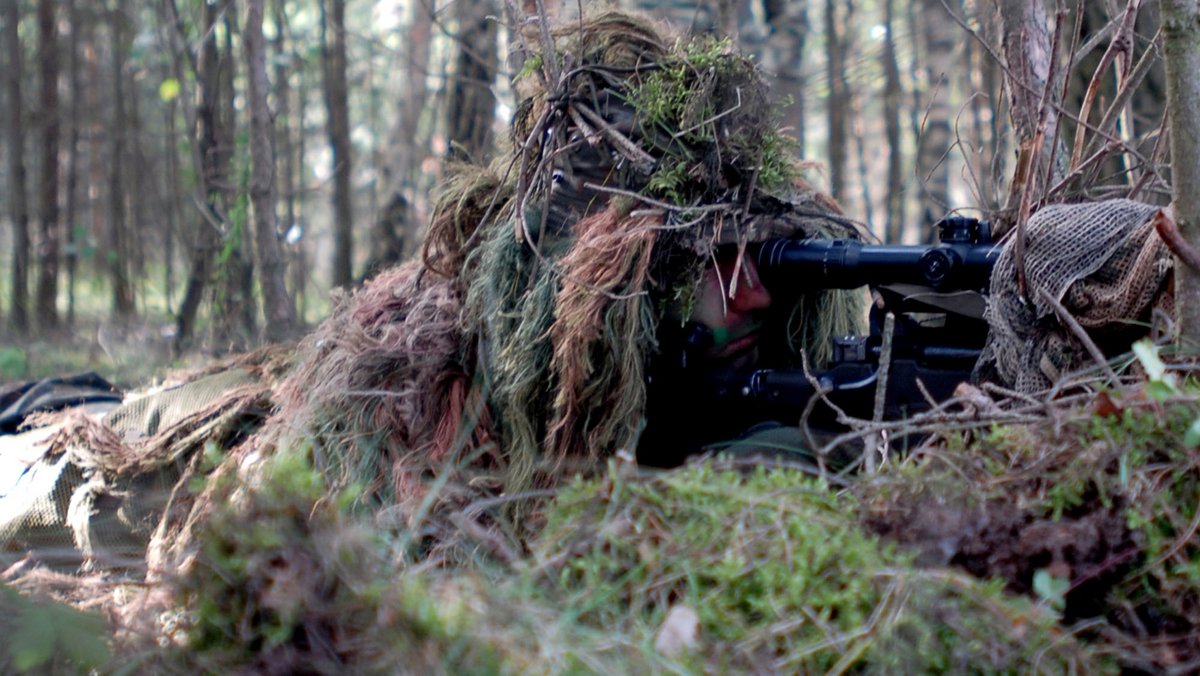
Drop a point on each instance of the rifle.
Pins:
(936, 294)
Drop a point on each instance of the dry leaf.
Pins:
(678, 631)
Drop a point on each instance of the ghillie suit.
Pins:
(518, 350)
(519, 346)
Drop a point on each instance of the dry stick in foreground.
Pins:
(1036, 149)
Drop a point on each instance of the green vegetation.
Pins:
(774, 565)
(286, 579)
(44, 636)
(782, 577)
(1059, 547)
(705, 98)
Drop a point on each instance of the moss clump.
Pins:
(704, 111)
(286, 580)
(1093, 513)
(781, 577)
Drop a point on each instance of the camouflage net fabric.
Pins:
(87, 491)
(1106, 266)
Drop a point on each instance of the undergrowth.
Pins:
(774, 565)
(1064, 546)
(1094, 513)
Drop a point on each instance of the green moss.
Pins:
(531, 66)
(677, 102)
(781, 576)
(287, 577)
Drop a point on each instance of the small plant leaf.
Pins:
(1156, 370)
(1191, 438)
(1051, 589)
(32, 643)
(1159, 390)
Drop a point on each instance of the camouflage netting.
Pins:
(518, 346)
(94, 488)
(1106, 266)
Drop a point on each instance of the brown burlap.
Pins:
(1102, 261)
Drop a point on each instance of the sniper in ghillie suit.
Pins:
(647, 399)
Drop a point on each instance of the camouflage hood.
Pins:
(635, 154)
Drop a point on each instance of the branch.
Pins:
(1065, 317)
(1168, 231)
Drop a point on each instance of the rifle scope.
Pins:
(848, 264)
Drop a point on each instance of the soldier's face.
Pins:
(730, 303)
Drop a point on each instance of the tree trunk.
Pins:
(71, 253)
(838, 110)
(788, 28)
(48, 248)
(394, 224)
(864, 175)
(1181, 29)
(206, 159)
(18, 319)
(338, 125)
(299, 253)
(1026, 39)
(277, 310)
(174, 192)
(725, 18)
(939, 38)
(987, 112)
(285, 61)
(122, 292)
(894, 228)
(472, 105)
(234, 313)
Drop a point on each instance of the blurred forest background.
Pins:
(196, 177)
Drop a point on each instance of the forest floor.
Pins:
(1028, 535)
(127, 356)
